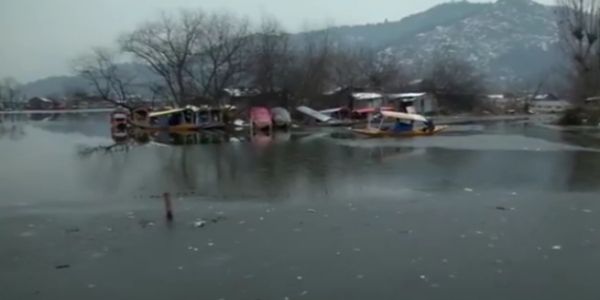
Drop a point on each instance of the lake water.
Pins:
(502, 211)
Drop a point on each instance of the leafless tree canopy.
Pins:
(365, 68)
(579, 22)
(195, 54)
(270, 56)
(101, 69)
(168, 46)
(454, 79)
(9, 90)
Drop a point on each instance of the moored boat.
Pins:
(260, 118)
(189, 118)
(403, 126)
(281, 117)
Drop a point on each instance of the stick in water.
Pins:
(168, 207)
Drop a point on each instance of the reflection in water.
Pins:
(284, 167)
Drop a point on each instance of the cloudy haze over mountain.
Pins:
(39, 38)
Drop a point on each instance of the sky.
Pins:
(40, 38)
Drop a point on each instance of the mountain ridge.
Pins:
(512, 42)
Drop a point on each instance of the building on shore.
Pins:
(419, 103)
(41, 103)
(548, 104)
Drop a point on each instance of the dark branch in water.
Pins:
(85, 151)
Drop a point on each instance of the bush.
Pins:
(580, 116)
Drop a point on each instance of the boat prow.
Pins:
(378, 133)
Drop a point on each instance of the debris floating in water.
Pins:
(73, 230)
(469, 190)
(312, 211)
(424, 278)
(199, 223)
(557, 247)
(587, 211)
(299, 277)
(360, 276)
(60, 267)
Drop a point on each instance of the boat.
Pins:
(260, 118)
(364, 113)
(189, 118)
(403, 126)
(323, 118)
(281, 117)
(119, 119)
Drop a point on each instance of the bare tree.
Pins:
(348, 68)
(455, 80)
(168, 46)
(219, 60)
(108, 80)
(195, 54)
(270, 56)
(312, 71)
(579, 23)
(9, 90)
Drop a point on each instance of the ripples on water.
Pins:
(295, 166)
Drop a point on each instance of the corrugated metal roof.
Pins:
(366, 96)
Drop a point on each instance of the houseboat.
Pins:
(189, 118)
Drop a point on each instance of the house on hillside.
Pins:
(419, 103)
(41, 103)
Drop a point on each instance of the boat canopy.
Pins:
(314, 114)
(333, 110)
(167, 112)
(371, 110)
(404, 116)
(367, 96)
(405, 97)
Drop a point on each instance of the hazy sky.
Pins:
(39, 38)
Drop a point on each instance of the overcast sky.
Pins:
(39, 38)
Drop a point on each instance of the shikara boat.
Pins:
(260, 118)
(281, 117)
(403, 126)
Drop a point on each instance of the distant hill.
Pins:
(514, 42)
(59, 86)
(55, 86)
